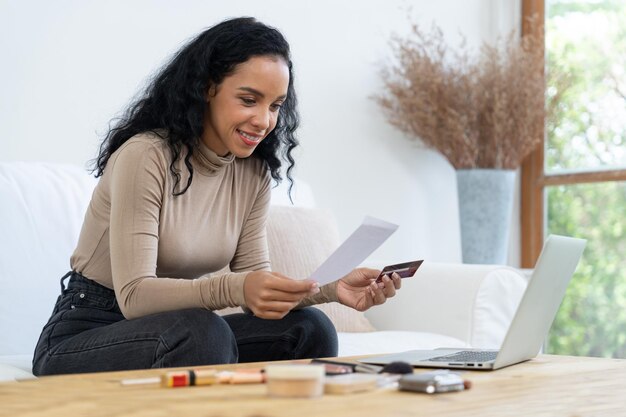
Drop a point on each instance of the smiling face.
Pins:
(244, 107)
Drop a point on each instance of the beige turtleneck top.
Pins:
(140, 240)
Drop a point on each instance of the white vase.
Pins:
(485, 209)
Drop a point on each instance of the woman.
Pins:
(185, 191)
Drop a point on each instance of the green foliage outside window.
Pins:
(589, 40)
(592, 318)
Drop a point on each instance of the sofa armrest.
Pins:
(473, 303)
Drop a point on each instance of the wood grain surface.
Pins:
(545, 386)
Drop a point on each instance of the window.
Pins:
(576, 184)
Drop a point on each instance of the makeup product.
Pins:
(392, 373)
(295, 381)
(350, 383)
(192, 377)
(141, 381)
(434, 382)
(189, 378)
(336, 367)
(354, 367)
(397, 368)
(257, 377)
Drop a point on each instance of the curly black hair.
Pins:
(174, 101)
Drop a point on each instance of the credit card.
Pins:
(405, 270)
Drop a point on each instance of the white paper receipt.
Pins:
(362, 242)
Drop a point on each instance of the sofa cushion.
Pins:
(40, 218)
(496, 302)
(17, 364)
(12, 373)
(468, 302)
(299, 240)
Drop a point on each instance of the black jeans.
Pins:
(88, 333)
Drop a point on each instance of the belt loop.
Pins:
(63, 279)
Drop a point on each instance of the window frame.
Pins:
(534, 179)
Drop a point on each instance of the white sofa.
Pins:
(41, 212)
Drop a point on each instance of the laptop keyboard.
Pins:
(467, 356)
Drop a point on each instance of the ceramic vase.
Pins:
(485, 209)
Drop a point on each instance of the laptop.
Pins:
(530, 325)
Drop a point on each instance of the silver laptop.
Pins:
(530, 325)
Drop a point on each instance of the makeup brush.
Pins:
(365, 377)
(390, 368)
(397, 368)
(392, 372)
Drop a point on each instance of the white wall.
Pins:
(68, 66)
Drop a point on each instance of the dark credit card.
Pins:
(405, 270)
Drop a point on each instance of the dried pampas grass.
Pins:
(486, 111)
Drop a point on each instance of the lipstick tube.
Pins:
(189, 378)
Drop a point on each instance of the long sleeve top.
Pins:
(153, 248)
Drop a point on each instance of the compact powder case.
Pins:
(295, 381)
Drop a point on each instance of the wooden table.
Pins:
(546, 386)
